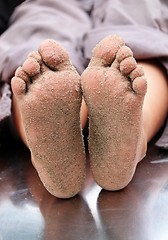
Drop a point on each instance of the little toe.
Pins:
(139, 85)
(18, 87)
(105, 51)
(53, 55)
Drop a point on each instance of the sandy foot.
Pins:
(114, 88)
(47, 89)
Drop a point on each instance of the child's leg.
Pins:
(155, 105)
(47, 100)
(121, 123)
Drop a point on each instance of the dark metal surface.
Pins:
(28, 211)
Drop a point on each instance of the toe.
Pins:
(18, 87)
(127, 65)
(139, 83)
(137, 72)
(139, 86)
(35, 55)
(21, 74)
(31, 66)
(54, 56)
(105, 51)
(123, 52)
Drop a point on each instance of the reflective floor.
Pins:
(28, 211)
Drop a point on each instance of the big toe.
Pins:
(53, 55)
(105, 51)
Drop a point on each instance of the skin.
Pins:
(152, 111)
(48, 93)
(121, 124)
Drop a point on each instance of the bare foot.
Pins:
(47, 89)
(114, 88)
